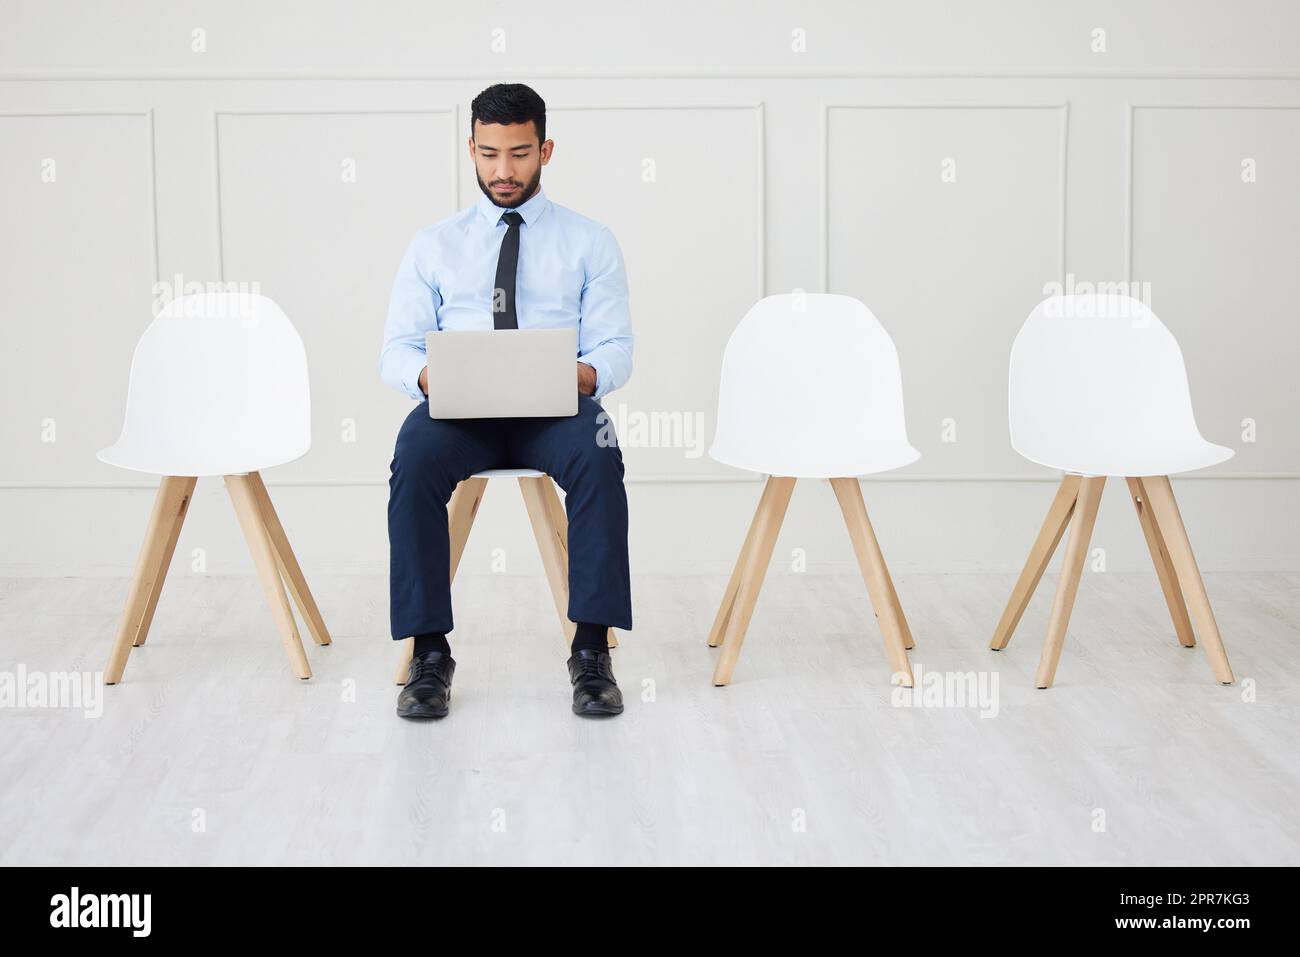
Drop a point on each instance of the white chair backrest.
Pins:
(218, 386)
(811, 387)
(1097, 386)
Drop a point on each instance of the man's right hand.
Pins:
(424, 380)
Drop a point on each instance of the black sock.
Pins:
(434, 641)
(591, 637)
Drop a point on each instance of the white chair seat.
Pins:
(508, 473)
(196, 461)
(1153, 461)
(865, 459)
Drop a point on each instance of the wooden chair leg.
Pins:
(169, 507)
(174, 533)
(560, 519)
(1076, 553)
(1040, 555)
(290, 570)
(552, 546)
(733, 586)
(908, 641)
(461, 511)
(875, 574)
(1169, 521)
(1164, 569)
(771, 512)
(244, 499)
(462, 508)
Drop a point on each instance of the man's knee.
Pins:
(593, 462)
(425, 450)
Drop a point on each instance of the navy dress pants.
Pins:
(432, 456)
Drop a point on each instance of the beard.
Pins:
(520, 197)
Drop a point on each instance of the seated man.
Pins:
(513, 260)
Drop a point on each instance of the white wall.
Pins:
(774, 170)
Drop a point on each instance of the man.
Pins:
(514, 257)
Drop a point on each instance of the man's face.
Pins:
(508, 161)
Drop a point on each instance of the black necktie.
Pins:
(503, 311)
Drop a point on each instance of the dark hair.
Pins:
(509, 103)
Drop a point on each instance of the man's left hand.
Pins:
(586, 379)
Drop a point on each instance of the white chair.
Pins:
(810, 388)
(550, 526)
(1097, 387)
(218, 386)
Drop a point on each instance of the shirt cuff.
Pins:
(412, 366)
(602, 373)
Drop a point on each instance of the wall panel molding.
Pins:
(1130, 118)
(453, 111)
(1131, 109)
(760, 154)
(1063, 110)
(151, 158)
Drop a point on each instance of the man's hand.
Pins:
(586, 379)
(424, 380)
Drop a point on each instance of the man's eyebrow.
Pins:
(521, 146)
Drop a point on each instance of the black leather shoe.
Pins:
(427, 693)
(594, 689)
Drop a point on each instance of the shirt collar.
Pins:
(531, 210)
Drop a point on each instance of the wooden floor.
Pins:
(1136, 756)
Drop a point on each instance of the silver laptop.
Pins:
(500, 373)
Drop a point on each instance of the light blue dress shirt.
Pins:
(570, 273)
